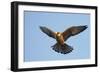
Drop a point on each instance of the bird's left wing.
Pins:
(47, 31)
(73, 31)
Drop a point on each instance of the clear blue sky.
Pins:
(37, 45)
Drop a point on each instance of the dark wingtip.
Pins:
(86, 26)
(41, 27)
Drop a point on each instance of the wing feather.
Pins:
(73, 31)
(47, 31)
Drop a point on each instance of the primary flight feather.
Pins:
(61, 37)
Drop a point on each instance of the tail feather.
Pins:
(63, 49)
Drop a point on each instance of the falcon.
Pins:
(61, 37)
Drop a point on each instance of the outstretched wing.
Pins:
(73, 31)
(47, 31)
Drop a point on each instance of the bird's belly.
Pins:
(60, 40)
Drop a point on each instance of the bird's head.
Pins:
(58, 33)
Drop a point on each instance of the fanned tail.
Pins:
(63, 49)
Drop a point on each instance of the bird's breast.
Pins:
(60, 39)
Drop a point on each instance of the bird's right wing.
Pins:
(47, 31)
(73, 31)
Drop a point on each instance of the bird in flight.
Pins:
(61, 37)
